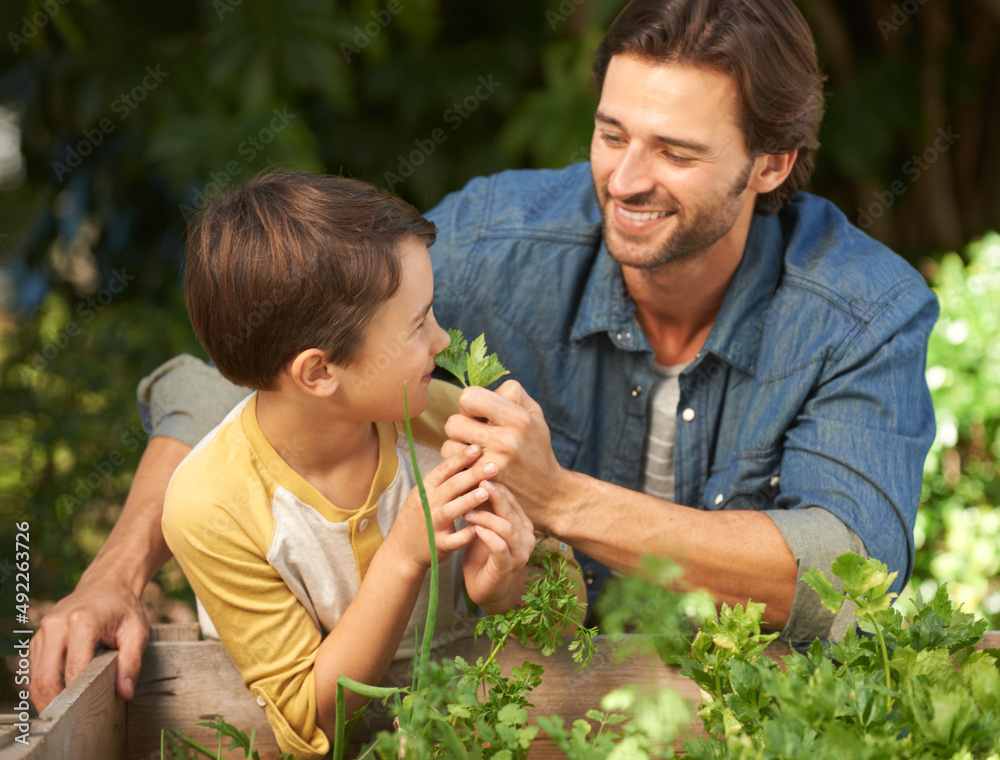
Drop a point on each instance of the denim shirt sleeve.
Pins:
(184, 398)
(858, 443)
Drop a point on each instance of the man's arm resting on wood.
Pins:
(106, 605)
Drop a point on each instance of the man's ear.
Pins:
(312, 373)
(771, 170)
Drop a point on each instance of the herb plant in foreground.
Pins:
(901, 689)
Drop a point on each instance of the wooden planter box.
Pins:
(185, 681)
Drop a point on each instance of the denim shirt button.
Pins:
(774, 481)
(688, 414)
(718, 499)
(624, 337)
(636, 390)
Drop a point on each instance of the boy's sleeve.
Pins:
(266, 631)
(185, 398)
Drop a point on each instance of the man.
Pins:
(731, 374)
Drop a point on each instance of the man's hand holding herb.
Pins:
(510, 428)
(496, 560)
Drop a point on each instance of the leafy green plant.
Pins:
(901, 689)
(480, 368)
(180, 745)
(957, 535)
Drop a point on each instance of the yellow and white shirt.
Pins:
(274, 564)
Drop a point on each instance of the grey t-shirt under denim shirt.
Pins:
(808, 401)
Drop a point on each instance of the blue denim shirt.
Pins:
(808, 392)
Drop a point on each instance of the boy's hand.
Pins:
(453, 488)
(503, 543)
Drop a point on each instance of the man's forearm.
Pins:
(135, 550)
(735, 555)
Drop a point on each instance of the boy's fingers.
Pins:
(456, 463)
(461, 482)
(496, 524)
(451, 542)
(495, 543)
(505, 504)
(455, 508)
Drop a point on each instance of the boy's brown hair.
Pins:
(290, 261)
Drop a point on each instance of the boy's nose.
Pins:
(441, 339)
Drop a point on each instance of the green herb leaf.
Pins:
(454, 359)
(482, 369)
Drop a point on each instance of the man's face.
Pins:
(669, 161)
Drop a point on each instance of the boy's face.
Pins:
(400, 346)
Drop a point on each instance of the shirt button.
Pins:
(363, 524)
(636, 390)
(625, 336)
(688, 414)
(774, 481)
(718, 499)
(260, 701)
(562, 546)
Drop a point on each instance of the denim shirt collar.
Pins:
(605, 306)
(735, 337)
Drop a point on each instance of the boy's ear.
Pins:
(312, 373)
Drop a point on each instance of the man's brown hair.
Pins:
(764, 46)
(290, 261)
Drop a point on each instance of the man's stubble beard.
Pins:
(690, 238)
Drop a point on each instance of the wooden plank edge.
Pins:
(55, 728)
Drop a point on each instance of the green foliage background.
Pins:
(111, 168)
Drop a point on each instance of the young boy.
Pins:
(296, 520)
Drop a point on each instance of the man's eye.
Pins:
(612, 139)
(680, 160)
